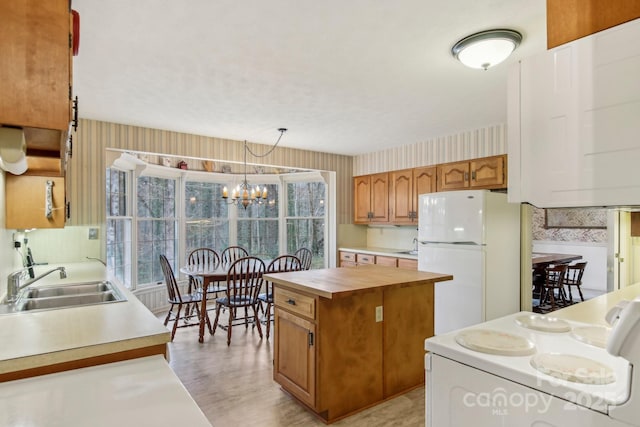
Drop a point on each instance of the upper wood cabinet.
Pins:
(486, 172)
(404, 188)
(392, 197)
(25, 201)
(371, 198)
(569, 20)
(35, 76)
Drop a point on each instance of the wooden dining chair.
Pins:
(280, 264)
(305, 256)
(244, 281)
(204, 259)
(573, 277)
(233, 253)
(178, 300)
(553, 287)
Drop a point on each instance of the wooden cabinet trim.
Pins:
(569, 20)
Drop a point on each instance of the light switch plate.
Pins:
(93, 234)
(379, 313)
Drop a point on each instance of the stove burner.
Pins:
(594, 335)
(543, 323)
(573, 368)
(495, 342)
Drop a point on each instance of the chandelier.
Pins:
(242, 195)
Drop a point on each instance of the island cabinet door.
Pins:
(295, 356)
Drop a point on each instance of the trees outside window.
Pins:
(305, 219)
(157, 227)
(206, 216)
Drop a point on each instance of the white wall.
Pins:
(10, 258)
(391, 237)
(60, 245)
(595, 254)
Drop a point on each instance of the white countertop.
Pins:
(33, 339)
(137, 392)
(380, 251)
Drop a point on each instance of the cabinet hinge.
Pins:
(310, 339)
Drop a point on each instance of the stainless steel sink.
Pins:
(408, 252)
(64, 296)
(80, 288)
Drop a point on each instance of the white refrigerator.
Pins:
(473, 235)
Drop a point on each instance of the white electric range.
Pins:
(531, 370)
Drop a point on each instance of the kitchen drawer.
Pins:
(365, 259)
(347, 256)
(295, 302)
(387, 261)
(409, 264)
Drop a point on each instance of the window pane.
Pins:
(305, 199)
(116, 193)
(307, 233)
(207, 223)
(306, 218)
(259, 237)
(157, 227)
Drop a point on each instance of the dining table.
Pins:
(208, 276)
(541, 260)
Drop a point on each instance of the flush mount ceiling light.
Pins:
(486, 48)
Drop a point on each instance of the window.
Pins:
(305, 219)
(206, 216)
(156, 227)
(258, 226)
(118, 230)
(159, 210)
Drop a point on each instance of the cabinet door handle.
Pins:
(473, 175)
(466, 176)
(75, 113)
(310, 339)
(48, 199)
(291, 301)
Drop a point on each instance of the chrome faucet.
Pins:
(13, 282)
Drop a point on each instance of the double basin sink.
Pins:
(69, 295)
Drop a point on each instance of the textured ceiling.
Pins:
(344, 76)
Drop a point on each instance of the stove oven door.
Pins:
(459, 395)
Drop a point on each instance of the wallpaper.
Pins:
(86, 169)
(471, 144)
(575, 217)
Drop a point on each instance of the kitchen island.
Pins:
(42, 342)
(349, 338)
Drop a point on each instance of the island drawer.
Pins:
(295, 302)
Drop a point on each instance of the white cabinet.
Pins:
(574, 121)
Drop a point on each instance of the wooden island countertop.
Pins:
(349, 338)
(336, 282)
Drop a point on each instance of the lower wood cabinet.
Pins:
(294, 363)
(353, 259)
(409, 264)
(340, 357)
